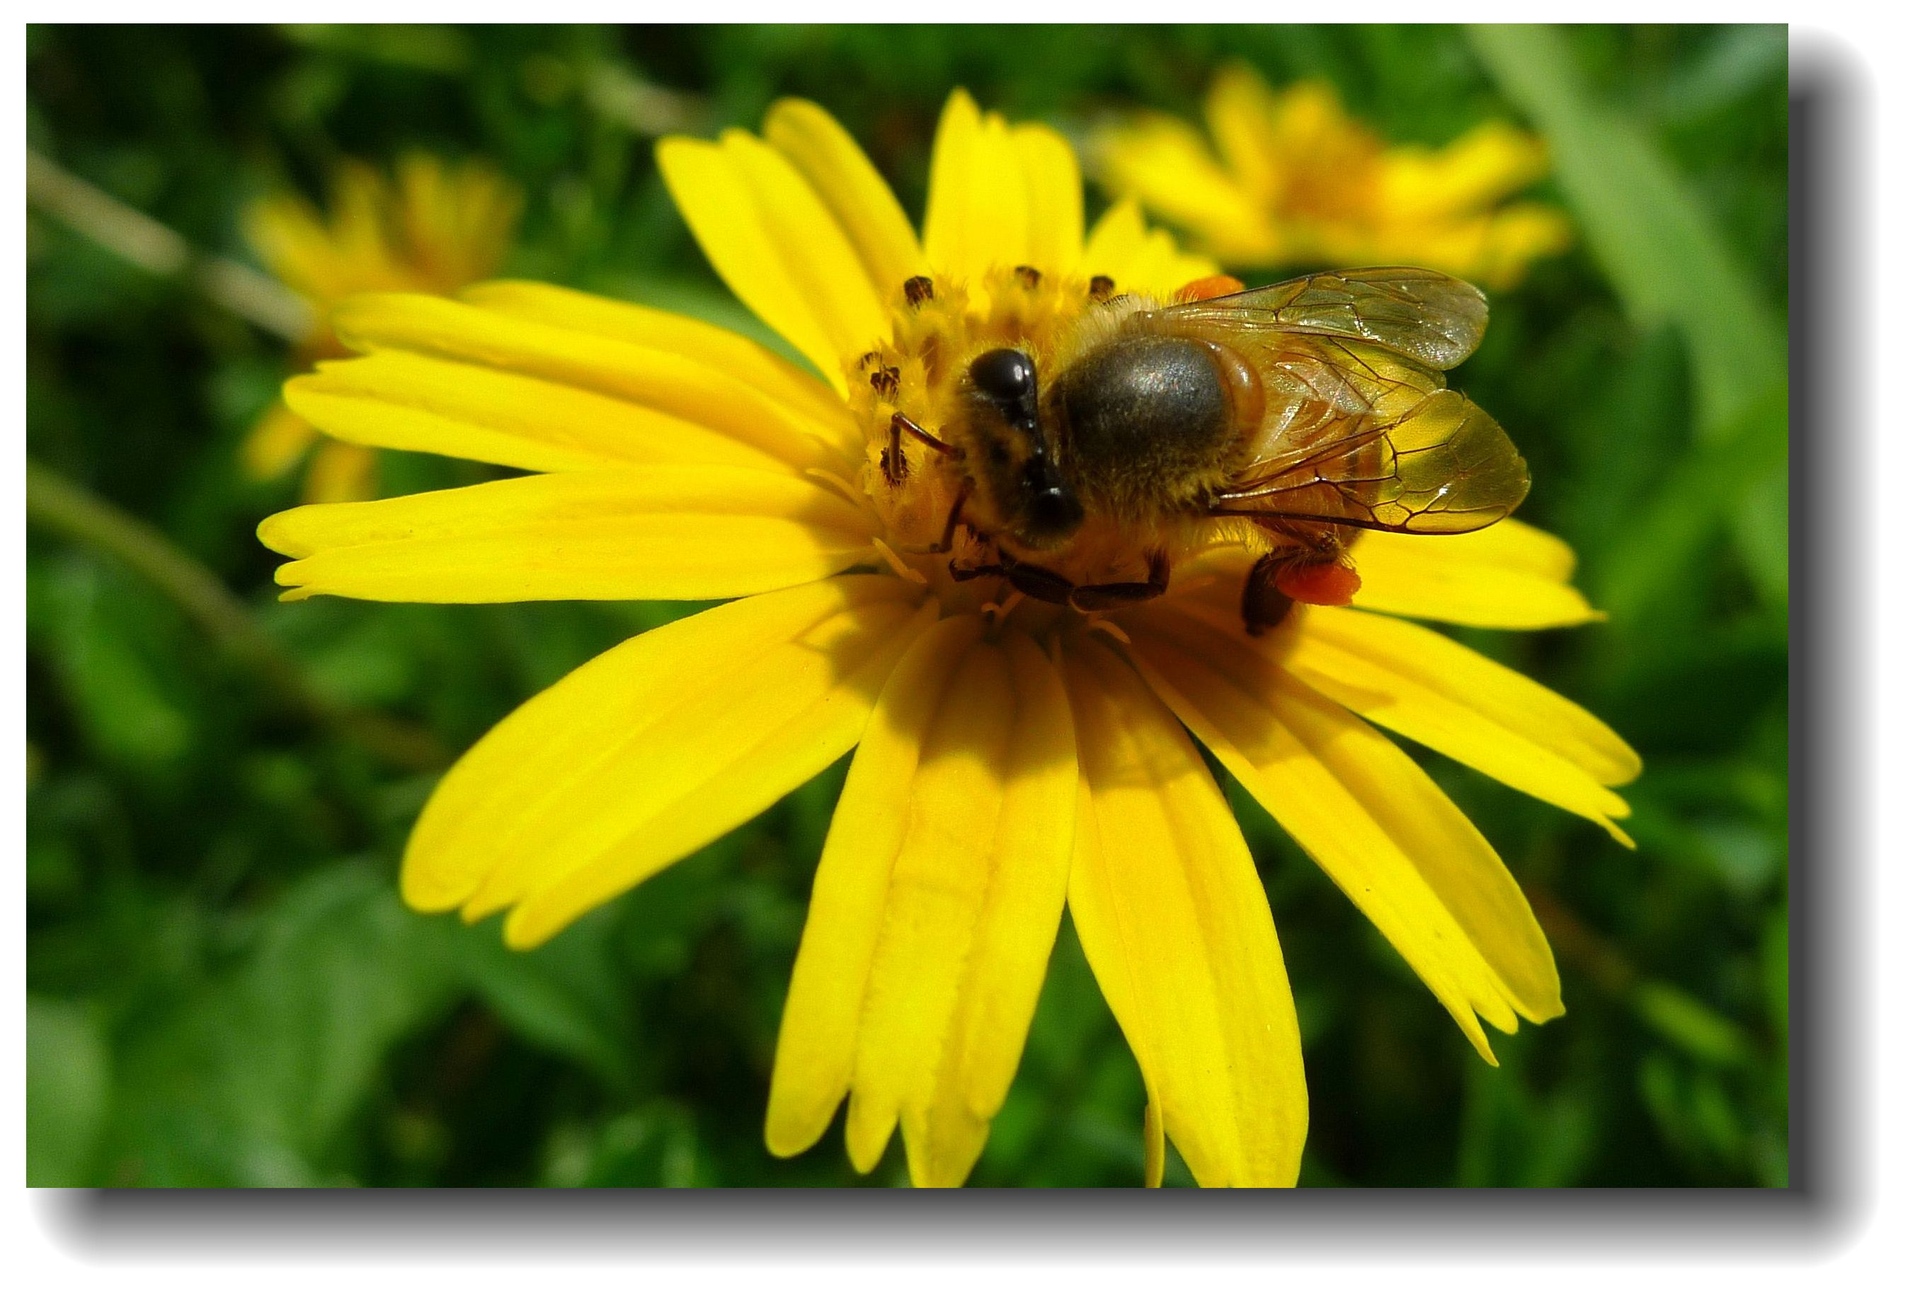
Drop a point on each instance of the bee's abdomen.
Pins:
(1145, 419)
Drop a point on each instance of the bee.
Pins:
(1302, 413)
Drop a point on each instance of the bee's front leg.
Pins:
(1040, 583)
(1035, 581)
(893, 462)
(1105, 597)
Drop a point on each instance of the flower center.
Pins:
(940, 488)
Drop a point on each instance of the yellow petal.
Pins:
(341, 473)
(1507, 576)
(654, 749)
(1154, 1133)
(275, 443)
(349, 251)
(1176, 926)
(934, 909)
(776, 245)
(667, 380)
(406, 400)
(1476, 170)
(1140, 260)
(665, 532)
(1116, 240)
(457, 218)
(847, 182)
(1056, 220)
(1166, 165)
(1383, 830)
(292, 241)
(977, 194)
(1517, 235)
(1239, 112)
(748, 362)
(1429, 688)
(820, 1030)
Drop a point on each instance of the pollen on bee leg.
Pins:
(1208, 287)
(1325, 584)
(900, 567)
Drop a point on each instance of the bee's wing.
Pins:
(1442, 467)
(1429, 317)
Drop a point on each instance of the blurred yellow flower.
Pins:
(1296, 182)
(1011, 759)
(436, 227)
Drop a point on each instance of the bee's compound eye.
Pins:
(1004, 375)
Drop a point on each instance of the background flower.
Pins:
(435, 227)
(1292, 181)
(223, 987)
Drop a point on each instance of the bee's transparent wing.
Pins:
(1443, 467)
(1427, 316)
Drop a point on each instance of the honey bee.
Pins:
(1304, 412)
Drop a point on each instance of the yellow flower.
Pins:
(436, 228)
(1297, 182)
(1011, 759)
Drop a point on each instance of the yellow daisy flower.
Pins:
(1011, 759)
(437, 227)
(1296, 182)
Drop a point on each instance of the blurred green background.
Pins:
(223, 986)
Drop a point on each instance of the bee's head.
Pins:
(1009, 457)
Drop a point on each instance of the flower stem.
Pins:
(57, 504)
(159, 249)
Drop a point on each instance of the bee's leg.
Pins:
(1105, 597)
(1034, 581)
(965, 573)
(953, 519)
(1041, 583)
(1262, 605)
(1318, 575)
(893, 462)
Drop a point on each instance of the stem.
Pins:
(158, 249)
(640, 106)
(57, 504)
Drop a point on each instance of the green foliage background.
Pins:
(223, 986)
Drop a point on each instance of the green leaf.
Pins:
(251, 1078)
(427, 47)
(1656, 243)
(1690, 1025)
(67, 1085)
(1776, 970)
(1761, 525)
(655, 1145)
(1735, 63)
(108, 638)
(566, 997)
(1663, 550)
